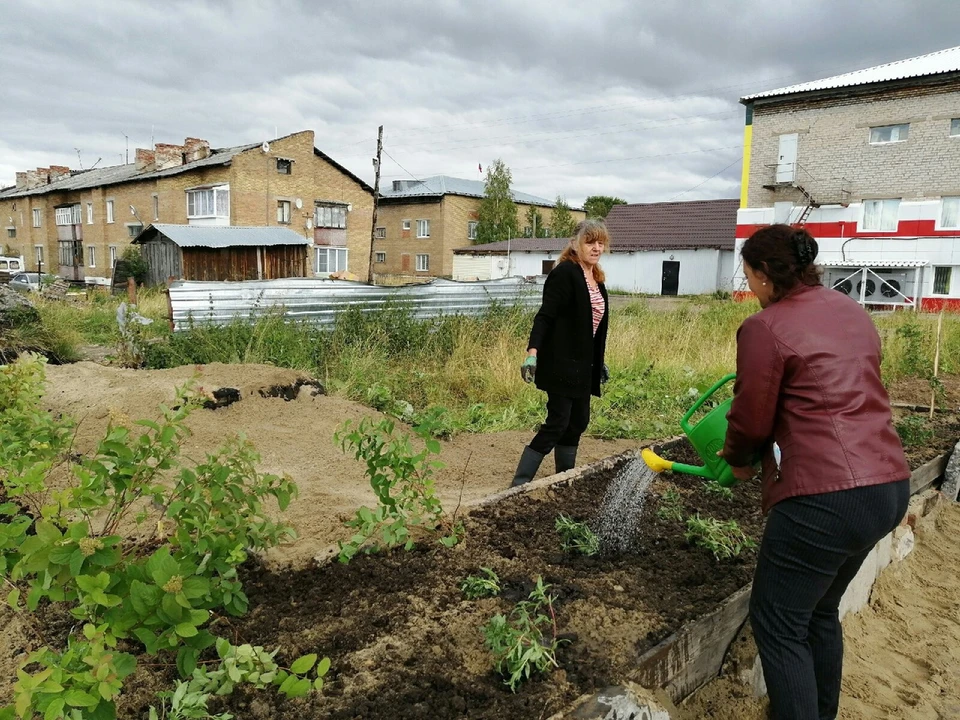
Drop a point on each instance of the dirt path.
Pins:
(902, 652)
(294, 437)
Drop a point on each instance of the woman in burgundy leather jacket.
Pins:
(808, 378)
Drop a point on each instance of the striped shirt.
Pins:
(597, 303)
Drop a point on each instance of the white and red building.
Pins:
(869, 163)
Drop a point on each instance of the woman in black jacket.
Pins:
(566, 347)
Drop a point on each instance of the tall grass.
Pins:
(466, 369)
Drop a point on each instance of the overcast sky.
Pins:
(636, 98)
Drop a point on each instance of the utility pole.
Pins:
(376, 200)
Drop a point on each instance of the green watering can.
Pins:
(707, 438)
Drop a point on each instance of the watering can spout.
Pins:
(659, 465)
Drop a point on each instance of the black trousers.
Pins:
(567, 418)
(812, 548)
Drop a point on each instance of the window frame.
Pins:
(426, 226)
(426, 264)
(862, 225)
(472, 229)
(890, 128)
(11, 233)
(945, 290)
(38, 254)
(131, 226)
(156, 207)
(380, 257)
(112, 254)
(110, 217)
(340, 208)
(326, 250)
(89, 213)
(216, 192)
(380, 233)
(37, 218)
(91, 256)
(940, 216)
(286, 163)
(284, 212)
(405, 225)
(954, 131)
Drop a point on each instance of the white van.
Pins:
(10, 266)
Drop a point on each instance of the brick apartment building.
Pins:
(78, 222)
(421, 222)
(869, 162)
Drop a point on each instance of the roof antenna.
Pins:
(79, 159)
(126, 159)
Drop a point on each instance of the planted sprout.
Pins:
(725, 539)
(526, 640)
(485, 585)
(577, 537)
(671, 506)
(715, 488)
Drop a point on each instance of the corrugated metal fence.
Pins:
(319, 301)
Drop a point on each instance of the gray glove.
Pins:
(528, 370)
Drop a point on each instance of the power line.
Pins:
(707, 180)
(400, 166)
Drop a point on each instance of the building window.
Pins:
(283, 212)
(330, 216)
(423, 228)
(69, 215)
(423, 263)
(941, 280)
(381, 257)
(38, 254)
(36, 217)
(209, 203)
(331, 259)
(472, 230)
(92, 255)
(156, 207)
(406, 225)
(11, 232)
(381, 233)
(889, 133)
(284, 166)
(113, 256)
(109, 211)
(880, 215)
(955, 127)
(950, 213)
(89, 213)
(134, 229)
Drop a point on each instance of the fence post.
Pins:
(170, 280)
(132, 290)
(936, 366)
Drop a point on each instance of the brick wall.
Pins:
(833, 146)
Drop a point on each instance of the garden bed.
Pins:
(404, 643)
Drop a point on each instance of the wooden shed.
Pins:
(221, 252)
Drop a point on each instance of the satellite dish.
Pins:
(265, 147)
(299, 203)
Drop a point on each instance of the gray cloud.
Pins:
(625, 98)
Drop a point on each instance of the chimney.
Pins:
(59, 172)
(168, 156)
(43, 177)
(145, 160)
(22, 181)
(195, 149)
(31, 179)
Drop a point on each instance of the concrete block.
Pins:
(903, 542)
(884, 550)
(857, 595)
(621, 702)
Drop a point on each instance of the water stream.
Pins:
(621, 510)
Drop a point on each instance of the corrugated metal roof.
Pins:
(855, 264)
(439, 185)
(935, 63)
(677, 225)
(222, 236)
(516, 245)
(115, 174)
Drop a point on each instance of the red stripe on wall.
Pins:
(938, 304)
(906, 228)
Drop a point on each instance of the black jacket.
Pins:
(569, 355)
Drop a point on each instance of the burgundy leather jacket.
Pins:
(808, 376)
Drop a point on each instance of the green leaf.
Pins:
(149, 639)
(187, 661)
(13, 599)
(302, 665)
(161, 567)
(48, 532)
(61, 554)
(144, 598)
(54, 709)
(171, 608)
(196, 587)
(76, 562)
(287, 684)
(433, 446)
(124, 664)
(186, 630)
(318, 684)
(78, 698)
(300, 688)
(323, 667)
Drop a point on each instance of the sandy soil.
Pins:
(902, 652)
(294, 437)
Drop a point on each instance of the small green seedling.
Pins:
(577, 537)
(715, 488)
(485, 585)
(725, 539)
(671, 506)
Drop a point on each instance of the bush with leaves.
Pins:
(402, 480)
(158, 585)
(526, 640)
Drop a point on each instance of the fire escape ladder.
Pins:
(808, 208)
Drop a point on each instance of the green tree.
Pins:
(535, 226)
(563, 223)
(497, 217)
(597, 206)
(136, 263)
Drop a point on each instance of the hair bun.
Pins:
(804, 248)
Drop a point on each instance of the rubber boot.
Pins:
(565, 457)
(529, 464)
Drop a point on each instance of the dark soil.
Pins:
(405, 644)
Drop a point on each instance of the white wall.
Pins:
(474, 267)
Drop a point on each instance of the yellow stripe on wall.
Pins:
(745, 174)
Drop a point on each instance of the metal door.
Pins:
(670, 277)
(787, 158)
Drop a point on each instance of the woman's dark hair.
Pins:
(785, 255)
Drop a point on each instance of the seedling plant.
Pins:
(484, 585)
(576, 537)
(724, 538)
